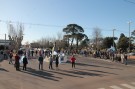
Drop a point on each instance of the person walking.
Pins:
(40, 59)
(17, 63)
(50, 62)
(10, 58)
(122, 58)
(57, 62)
(25, 62)
(73, 61)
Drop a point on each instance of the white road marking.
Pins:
(115, 87)
(128, 86)
(124, 85)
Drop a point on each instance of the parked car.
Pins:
(131, 56)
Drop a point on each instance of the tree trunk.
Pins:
(72, 43)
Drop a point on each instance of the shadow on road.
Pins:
(83, 64)
(99, 71)
(42, 74)
(1, 69)
(61, 72)
(82, 73)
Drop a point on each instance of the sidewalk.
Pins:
(129, 62)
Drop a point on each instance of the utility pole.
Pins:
(5, 41)
(113, 36)
(129, 23)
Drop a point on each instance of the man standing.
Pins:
(25, 62)
(40, 59)
(50, 62)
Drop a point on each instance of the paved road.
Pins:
(89, 74)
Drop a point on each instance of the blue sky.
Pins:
(104, 14)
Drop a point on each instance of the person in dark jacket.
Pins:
(50, 62)
(57, 61)
(25, 62)
(40, 59)
(17, 63)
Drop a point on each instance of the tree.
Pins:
(133, 35)
(84, 43)
(80, 37)
(15, 35)
(123, 42)
(97, 36)
(108, 42)
(71, 32)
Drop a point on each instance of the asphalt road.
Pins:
(89, 74)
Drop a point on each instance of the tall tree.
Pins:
(15, 34)
(72, 30)
(133, 35)
(123, 42)
(80, 37)
(108, 42)
(97, 36)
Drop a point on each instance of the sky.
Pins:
(47, 18)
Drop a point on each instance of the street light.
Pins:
(129, 23)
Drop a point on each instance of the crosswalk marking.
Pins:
(115, 87)
(128, 86)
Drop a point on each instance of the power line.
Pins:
(44, 25)
(129, 1)
(30, 24)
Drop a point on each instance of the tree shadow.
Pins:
(1, 69)
(42, 74)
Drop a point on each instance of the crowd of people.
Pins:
(22, 57)
(41, 54)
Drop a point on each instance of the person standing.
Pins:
(57, 62)
(50, 62)
(10, 58)
(125, 57)
(122, 58)
(17, 63)
(40, 59)
(73, 61)
(25, 62)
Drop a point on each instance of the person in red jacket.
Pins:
(17, 63)
(73, 61)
